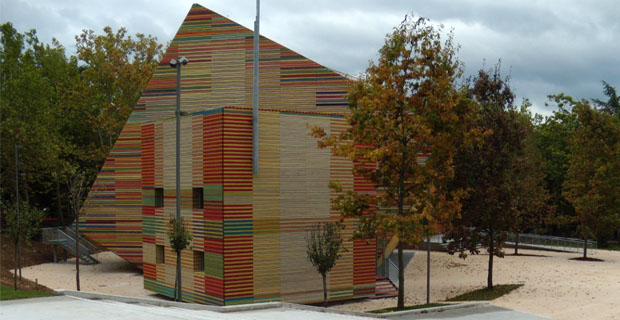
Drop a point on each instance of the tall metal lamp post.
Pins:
(177, 63)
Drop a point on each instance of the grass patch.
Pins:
(7, 293)
(486, 294)
(420, 306)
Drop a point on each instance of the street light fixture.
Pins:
(177, 63)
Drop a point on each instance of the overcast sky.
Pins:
(546, 46)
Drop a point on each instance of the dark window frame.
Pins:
(159, 197)
(198, 198)
(199, 261)
(160, 254)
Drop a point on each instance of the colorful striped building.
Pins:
(248, 229)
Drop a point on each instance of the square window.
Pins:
(197, 198)
(160, 256)
(199, 261)
(159, 197)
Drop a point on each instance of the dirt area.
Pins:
(112, 275)
(554, 285)
(32, 254)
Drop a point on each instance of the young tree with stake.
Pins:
(180, 239)
(324, 248)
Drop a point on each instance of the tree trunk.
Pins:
(19, 258)
(179, 288)
(401, 278)
(174, 296)
(491, 254)
(585, 248)
(516, 243)
(60, 215)
(324, 291)
(77, 250)
(58, 203)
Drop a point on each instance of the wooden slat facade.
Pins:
(252, 227)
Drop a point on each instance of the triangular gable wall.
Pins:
(219, 74)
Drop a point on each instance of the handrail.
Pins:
(389, 248)
(91, 247)
(56, 234)
(390, 275)
(66, 237)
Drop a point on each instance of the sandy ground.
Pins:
(554, 286)
(112, 276)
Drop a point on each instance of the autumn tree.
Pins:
(593, 180)
(490, 171)
(115, 68)
(405, 105)
(323, 249)
(179, 238)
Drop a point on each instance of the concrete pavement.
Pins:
(88, 306)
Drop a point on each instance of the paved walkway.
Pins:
(104, 308)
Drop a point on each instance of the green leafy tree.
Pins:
(533, 210)
(554, 138)
(490, 171)
(612, 105)
(79, 108)
(404, 106)
(324, 248)
(593, 180)
(30, 85)
(180, 239)
(22, 224)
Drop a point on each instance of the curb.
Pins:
(433, 309)
(257, 306)
(163, 303)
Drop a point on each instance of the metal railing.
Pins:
(389, 267)
(392, 272)
(65, 237)
(552, 242)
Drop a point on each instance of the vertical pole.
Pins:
(255, 91)
(17, 242)
(386, 264)
(178, 170)
(77, 238)
(428, 271)
(178, 143)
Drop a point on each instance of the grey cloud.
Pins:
(548, 47)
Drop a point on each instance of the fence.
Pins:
(551, 242)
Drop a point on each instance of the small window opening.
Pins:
(159, 197)
(197, 198)
(199, 261)
(160, 256)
